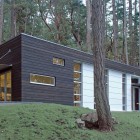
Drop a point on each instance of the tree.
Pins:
(88, 32)
(130, 33)
(102, 103)
(115, 30)
(139, 33)
(125, 32)
(1, 20)
(13, 19)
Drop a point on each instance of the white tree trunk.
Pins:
(125, 34)
(1, 20)
(115, 30)
(88, 33)
(139, 33)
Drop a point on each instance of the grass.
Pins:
(57, 122)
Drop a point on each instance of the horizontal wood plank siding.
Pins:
(73, 54)
(37, 58)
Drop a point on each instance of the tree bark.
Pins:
(115, 30)
(139, 33)
(13, 19)
(88, 33)
(130, 33)
(135, 49)
(102, 103)
(1, 20)
(125, 32)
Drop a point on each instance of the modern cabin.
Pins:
(36, 70)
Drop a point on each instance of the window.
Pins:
(5, 86)
(77, 84)
(123, 91)
(77, 76)
(77, 67)
(58, 61)
(41, 79)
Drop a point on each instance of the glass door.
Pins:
(135, 98)
(5, 86)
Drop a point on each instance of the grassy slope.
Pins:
(57, 122)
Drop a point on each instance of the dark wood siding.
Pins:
(74, 54)
(14, 58)
(37, 56)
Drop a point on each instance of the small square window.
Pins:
(58, 61)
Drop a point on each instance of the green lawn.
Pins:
(57, 122)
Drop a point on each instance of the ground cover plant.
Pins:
(57, 122)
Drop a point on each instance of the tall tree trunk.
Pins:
(1, 20)
(102, 103)
(88, 33)
(13, 19)
(130, 33)
(125, 32)
(115, 30)
(135, 36)
(139, 33)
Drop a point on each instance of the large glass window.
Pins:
(5, 86)
(41, 79)
(2, 85)
(77, 84)
(58, 61)
(8, 83)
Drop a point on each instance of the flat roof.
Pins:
(4, 66)
(109, 64)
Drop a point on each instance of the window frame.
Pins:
(79, 103)
(54, 81)
(59, 64)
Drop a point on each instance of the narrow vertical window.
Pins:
(77, 84)
(124, 91)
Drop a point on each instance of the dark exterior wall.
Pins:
(37, 55)
(14, 58)
(37, 58)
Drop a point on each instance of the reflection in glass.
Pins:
(58, 61)
(5, 86)
(77, 76)
(41, 79)
(77, 84)
(77, 88)
(77, 67)
(77, 98)
(2, 87)
(8, 85)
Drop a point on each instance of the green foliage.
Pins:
(57, 122)
(56, 21)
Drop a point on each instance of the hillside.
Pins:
(57, 122)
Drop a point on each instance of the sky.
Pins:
(84, 1)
